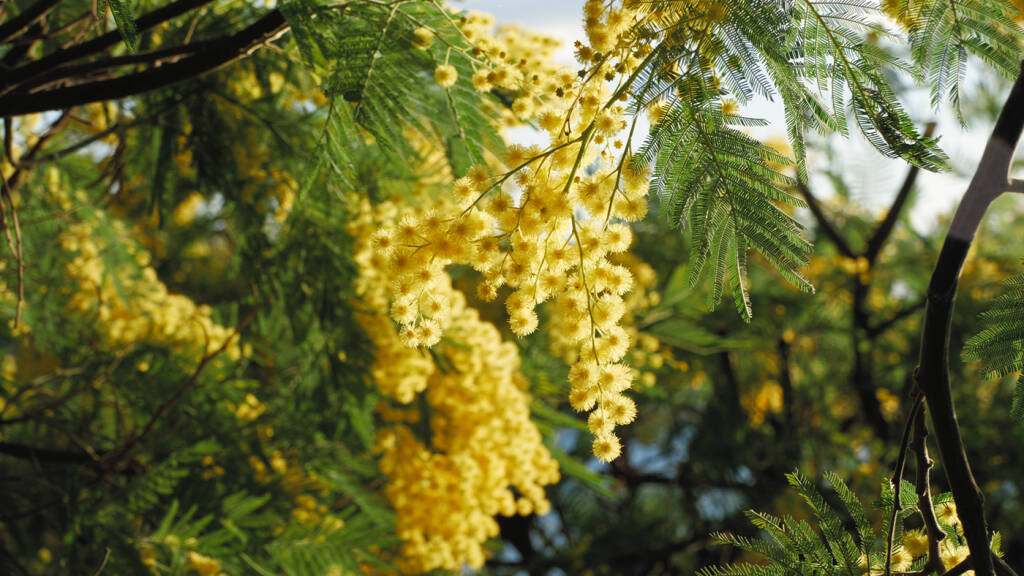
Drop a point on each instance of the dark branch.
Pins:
(897, 481)
(79, 71)
(988, 183)
(882, 327)
(1011, 120)
(959, 569)
(232, 48)
(923, 486)
(885, 228)
(824, 224)
(26, 18)
(27, 452)
(98, 44)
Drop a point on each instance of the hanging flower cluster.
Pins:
(137, 307)
(484, 456)
(546, 226)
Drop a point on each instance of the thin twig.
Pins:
(885, 228)
(923, 487)
(58, 154)
(1002, 568)
(897, 481)
(103, 563)
(115, 456)
(15, 247)
(878, 329)
(824, 224)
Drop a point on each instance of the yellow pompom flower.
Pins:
(422, 38)
(557, 235)
(915, 542)
(203, 565)
(446, 75)
(485, 456)
(607, 447)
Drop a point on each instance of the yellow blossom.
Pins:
(446, 75)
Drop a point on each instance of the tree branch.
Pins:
(1016, 185)
(923, 486)
(880, 328)
(81, 70)
(27, 452)
(98, 44)
(1002, 568)
(959, 569)
(229, 49)
(824, 224)
(26, 18)
(988, 183)
(897, 481)
(115, 456)
(885, 228)
(119, 126)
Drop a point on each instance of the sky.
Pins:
(874, 179)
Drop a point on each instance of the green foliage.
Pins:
(826, 547)
(999, 347)
(210, 481)
(365, 54)
(704, 167)
(944, 32)
(719, 184)
(836, 54)
(124, 17)
(155, 485)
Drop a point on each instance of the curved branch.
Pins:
(923, 487)
(989, 183)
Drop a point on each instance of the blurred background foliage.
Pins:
(189, 389)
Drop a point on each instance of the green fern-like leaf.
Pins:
(725, 188)
(823, 548)
(855, 509)
(999, 347)
(382, 86)
(150, 488)
(124, 17)
(944, 32)
(834, 54)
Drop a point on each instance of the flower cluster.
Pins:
(549, 224)
(137, 308)
(952, 550)
(484, 457)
